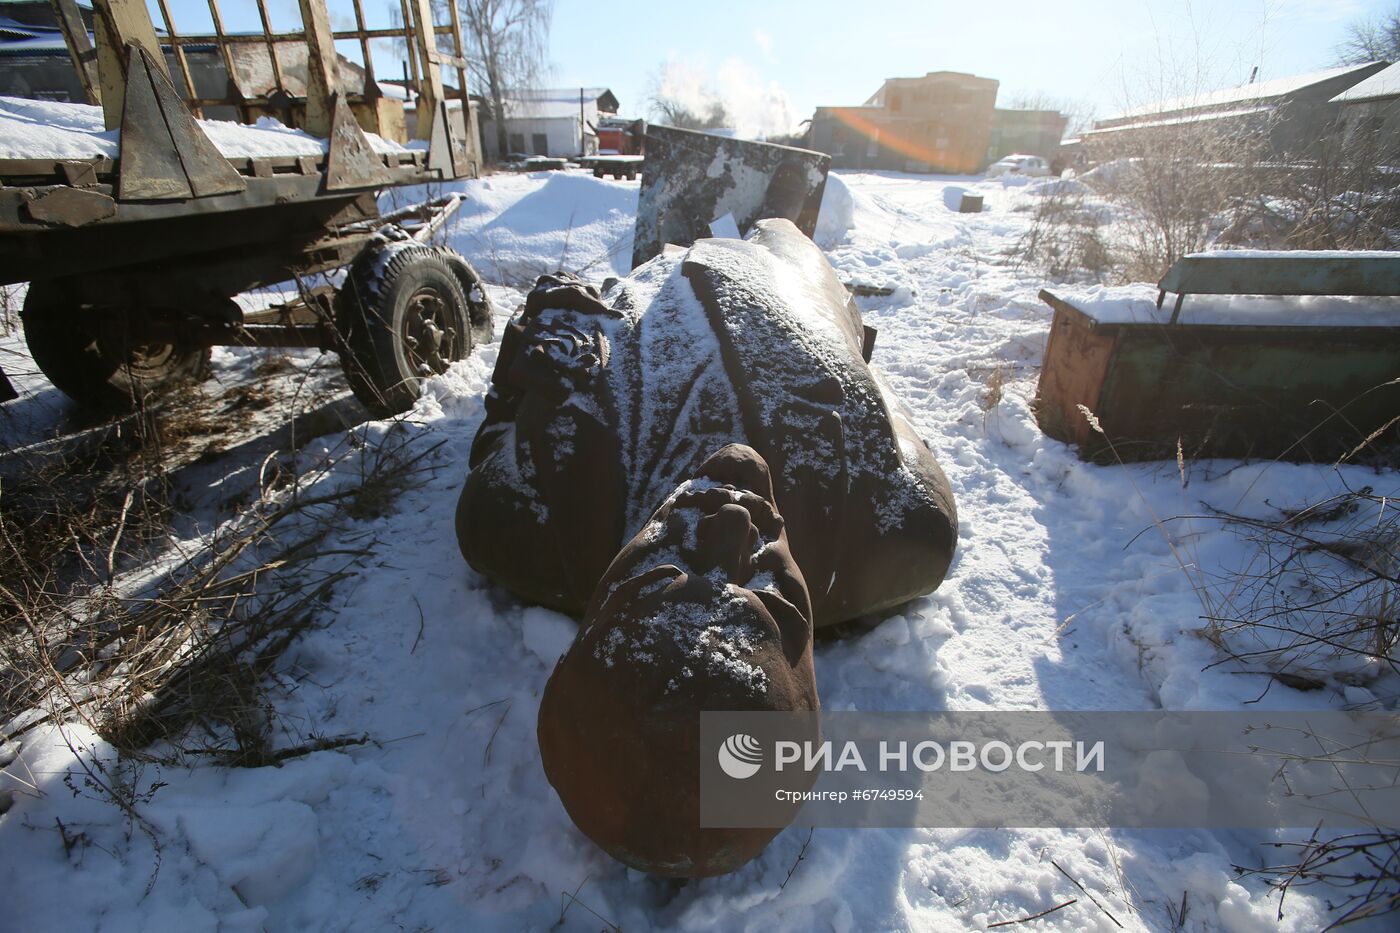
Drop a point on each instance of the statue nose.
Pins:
(726, 540)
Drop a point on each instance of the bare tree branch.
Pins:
(507, 41)
(1372, 40)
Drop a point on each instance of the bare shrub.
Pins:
(1357, 873)
(1066, 235)
(1193, 184)
(1321, 595)
(1345, 191)
(1178, 187)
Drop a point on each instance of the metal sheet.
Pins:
(164, 153)
(149, 167)
(1309, 274)
(352, 162)
(690, 179)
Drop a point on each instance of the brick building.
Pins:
(941, 122)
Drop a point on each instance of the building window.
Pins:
(517, 142)
(896, 101)
(541, 144)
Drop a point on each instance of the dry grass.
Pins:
(1321, 595)
(172, 662)
(1322, 591)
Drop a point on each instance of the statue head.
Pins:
(704, 609)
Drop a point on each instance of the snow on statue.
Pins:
(726, 387)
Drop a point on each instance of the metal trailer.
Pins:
(134, 262)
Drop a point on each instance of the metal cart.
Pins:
(134, 262)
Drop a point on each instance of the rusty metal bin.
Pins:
(1301, 393)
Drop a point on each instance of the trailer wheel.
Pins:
(403, 317)
(99, 367)
(479, 310)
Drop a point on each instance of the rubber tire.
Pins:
(371, 312)
(93, 372)
(479, 309)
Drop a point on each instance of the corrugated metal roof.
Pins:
(1381, 84)
(1182, 120)
(1258, 91)
(42, 45)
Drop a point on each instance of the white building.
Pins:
(550, 122)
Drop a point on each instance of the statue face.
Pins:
(715, 552)
(703, 610)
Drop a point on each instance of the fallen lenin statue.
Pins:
(705, 467)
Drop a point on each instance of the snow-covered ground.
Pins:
(1066, 594)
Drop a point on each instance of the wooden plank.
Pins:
(322, 79)
(117, 24)
(179, 52)
(210, 38)
(352, 162)
(71, 207)
(271, 44)
(221, 40)
(80, 49)
(79, 174)
(46, 168)
(430, 87)
(1072, 374)
(150, 168)
(371, 88)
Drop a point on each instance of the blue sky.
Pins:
(775, 60)
(1098, 54)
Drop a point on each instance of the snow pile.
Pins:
(1071, 589)
(837, 213)
(36, 129)
(516, 227)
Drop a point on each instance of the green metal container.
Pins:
(1290, 392)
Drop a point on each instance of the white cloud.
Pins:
(763, 40)
(757, 109)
